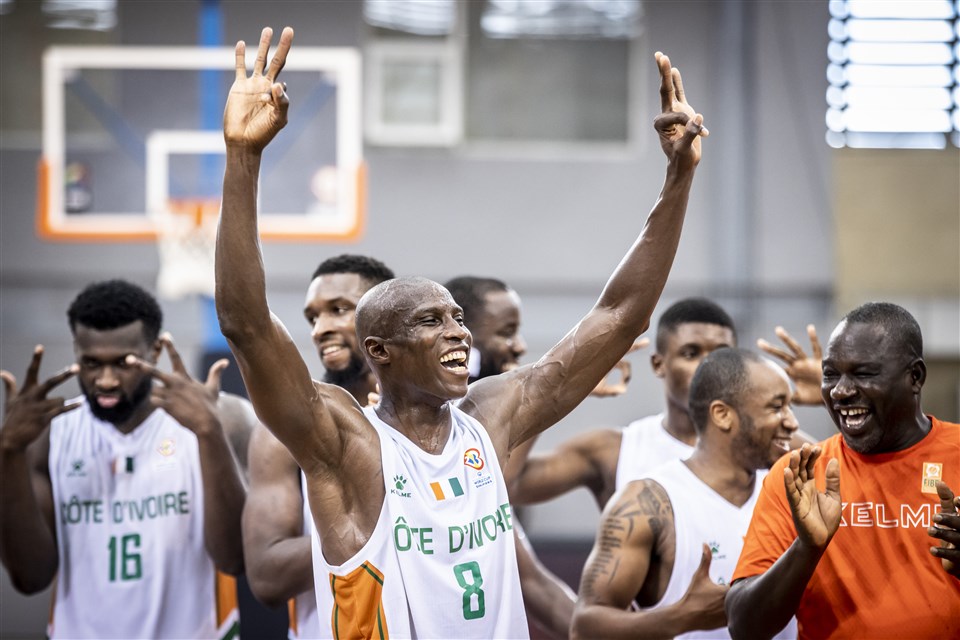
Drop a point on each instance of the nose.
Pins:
(323, 323)
(454, 330)
(108, 378)
(843, 389)
(518, 345)
(790, 422)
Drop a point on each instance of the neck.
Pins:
(426, 425)
(718, 469)
(136, 419)
(913, 431)
(678, 424)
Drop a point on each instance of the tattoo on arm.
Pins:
(650, 506)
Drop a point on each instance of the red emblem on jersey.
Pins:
(471, 458)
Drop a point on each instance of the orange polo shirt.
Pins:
(877, 578)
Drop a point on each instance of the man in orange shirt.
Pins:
(860, 564)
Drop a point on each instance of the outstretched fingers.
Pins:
(667, 94)
(9, 383)
(215, 375)
(33, 369)
(678, 85)
(280, 55)
(262, 50)
(832, 477)
(149, 369)
(59, 378)
(240, 53)
(175, 360)
(815, 348)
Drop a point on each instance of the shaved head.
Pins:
(382, 309)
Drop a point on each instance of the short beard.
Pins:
(757, 457)
(126, 406)
(348, 376)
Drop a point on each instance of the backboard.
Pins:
(127, 130)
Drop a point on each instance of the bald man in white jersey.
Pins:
(411, 492)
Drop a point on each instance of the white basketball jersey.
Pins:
(129, 521)
(701, 515)
(644, 446)
(441, 562)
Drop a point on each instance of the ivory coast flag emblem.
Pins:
(446, 489)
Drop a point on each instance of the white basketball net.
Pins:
(186, 240)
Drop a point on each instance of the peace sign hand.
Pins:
(189, 402)
(28, 411)
(678, 125)
(805, 371)
(257, 106)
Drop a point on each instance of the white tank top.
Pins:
(701, 515)
(129, 521)
(644, 446)
(441, 562)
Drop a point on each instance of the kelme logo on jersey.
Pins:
(447, 489)
(166, 447)
(932, 473)
(76, 469)
(471, 458)
(399, 482)
(715, 550)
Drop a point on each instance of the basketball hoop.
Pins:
(186, 240)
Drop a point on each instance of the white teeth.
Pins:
(853, 412)
(329, 350)
(455, 356)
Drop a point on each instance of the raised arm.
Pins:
(762, 605)
(28, 544)
(636, 527)
(276, 377)
(532, 398)
(194, 406)
(277, 553)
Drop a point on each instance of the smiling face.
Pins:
(422, 348)
(496, 333)
(871, 386)
(117, 392)
(766, 422)
(684, 349)
(330, 308)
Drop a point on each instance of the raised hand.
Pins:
(946, 528)
(805, 371)
(705, 597)
(28, 411)
(816, 515)
(191, 403)
(257, 106)
(678, 125)
(606, 389)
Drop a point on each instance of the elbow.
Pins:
(735, 623)
(580, 627)
(31, 584)
(228, 563)
(267, 593)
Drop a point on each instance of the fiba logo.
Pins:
(932, 472)
(471, 458)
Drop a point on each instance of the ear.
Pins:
(723, 415)
(656, 363)
(376, 350)
(918, 374)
